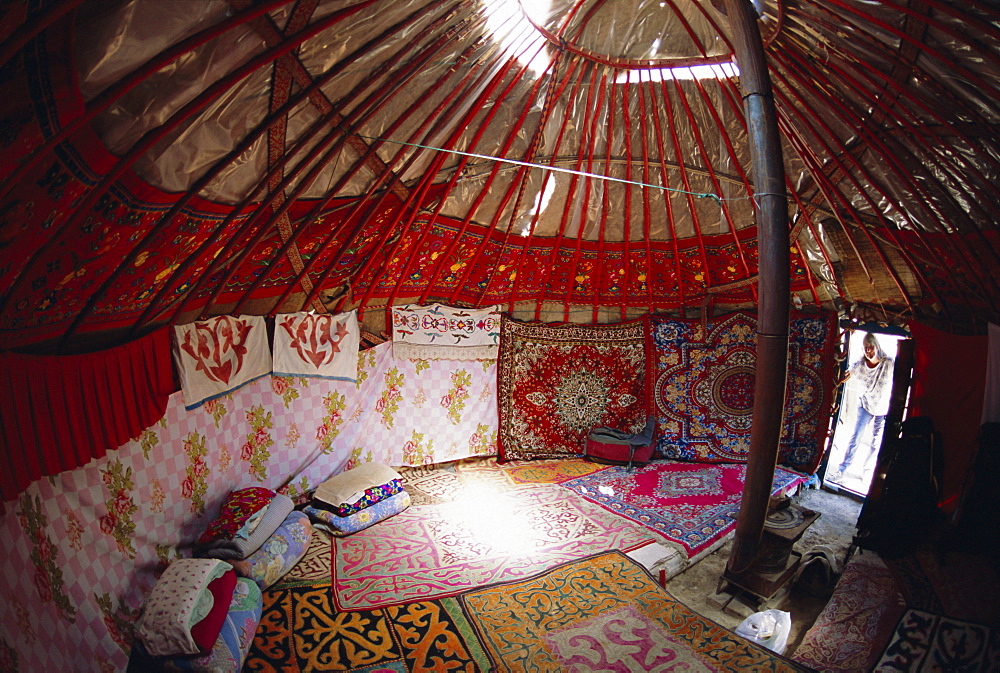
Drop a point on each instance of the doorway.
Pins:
(857, 476)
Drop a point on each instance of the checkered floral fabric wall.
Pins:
(83, 548)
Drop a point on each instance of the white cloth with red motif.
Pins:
(217, 356)
(317, 345)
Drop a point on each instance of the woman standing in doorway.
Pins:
(871, 376)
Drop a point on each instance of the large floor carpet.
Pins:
(600, 613)
(692, 504)
(432, 551)
(416, 592)
(603, 613)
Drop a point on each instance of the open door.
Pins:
(867, 408)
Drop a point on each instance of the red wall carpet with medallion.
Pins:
(558, 382)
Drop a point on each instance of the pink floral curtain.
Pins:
(59, 412)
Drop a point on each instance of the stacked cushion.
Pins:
(279, 553)
(261, 543)
(181, 599)
(230, 648)
(346, 492)
(339, 526)
(279, 507)
(357, 498)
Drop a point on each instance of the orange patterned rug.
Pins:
(301, 630)
(604, 612)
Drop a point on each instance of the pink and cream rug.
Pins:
(432, 551)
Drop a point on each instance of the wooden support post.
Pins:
(773, 290)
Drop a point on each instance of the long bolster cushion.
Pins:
(238, 548)
(338, 526)
(286, 546)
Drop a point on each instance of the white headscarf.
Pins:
(874, 384)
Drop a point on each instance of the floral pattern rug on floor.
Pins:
(692, 504)
(433, 551)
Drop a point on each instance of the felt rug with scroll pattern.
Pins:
(432, 551)
(700, 378)
(301, 630)
(606, 613)
(556, 383)
(692, 504)
(433, 485)
(924, 641)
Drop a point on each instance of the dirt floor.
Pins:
(697, 587)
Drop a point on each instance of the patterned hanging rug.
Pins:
(700, 380)
(556, 383)
(692, 504)
(432, 551)
(604, 612)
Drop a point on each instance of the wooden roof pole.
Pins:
(773, 261)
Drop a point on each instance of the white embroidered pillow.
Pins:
(346, 486)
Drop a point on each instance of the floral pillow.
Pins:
(239, 507)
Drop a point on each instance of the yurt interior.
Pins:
(499, 335)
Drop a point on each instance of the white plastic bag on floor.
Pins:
(769, 628)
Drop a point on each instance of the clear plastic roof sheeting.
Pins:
(558, 157)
